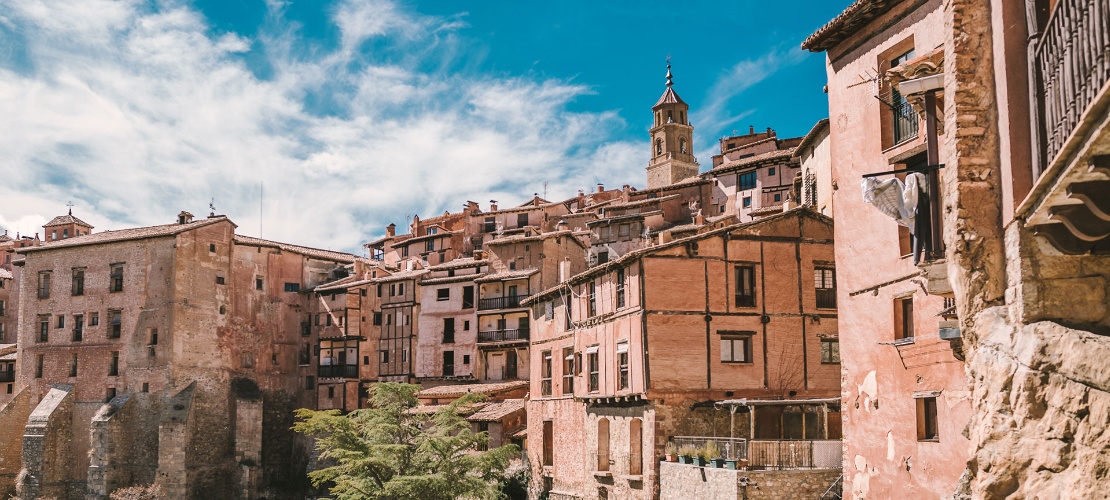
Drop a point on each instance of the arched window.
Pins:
(682, 117)
(603, 444)
(682, 145)
(658, 118)
(658, 147)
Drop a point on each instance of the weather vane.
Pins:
(70, 205)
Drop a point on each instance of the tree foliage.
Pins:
(387, 452)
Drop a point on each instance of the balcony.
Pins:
(773, 454)
(1070, 64)
(337, 371)
(7, 376)
(508, 335)
(509, 302)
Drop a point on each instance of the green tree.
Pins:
(387, 452)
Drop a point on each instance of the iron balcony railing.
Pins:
(826, 298)
(337, 371)
(1071, 65)
(503, 335)
(507, 302)
(905, 118)
(774, 454)
(7, 376)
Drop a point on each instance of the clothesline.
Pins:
(926, 168)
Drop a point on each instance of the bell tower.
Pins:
(672, 157)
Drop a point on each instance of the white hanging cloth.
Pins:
(895, 199)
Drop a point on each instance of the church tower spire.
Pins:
(672, 158)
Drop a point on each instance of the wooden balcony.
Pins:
(499, 336)
(507, 302)
(337, 371)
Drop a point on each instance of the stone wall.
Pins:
(13, 418)
(48, 453)
(682, 482)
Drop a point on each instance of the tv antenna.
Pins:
(212, 206)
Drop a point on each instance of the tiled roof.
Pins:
(417, 239)
(448, 391)
(689, 181)
(782, 154)
(772, 209)
(5, 238)
(814, 132)
(669, 97)
(640, 203)
(5, 274)
(460, 263)
(137, 233)
(8, 357)
(403, 275)
(451, 279)
(618, 218)
(847, 23)
(62, 220)
(522, 239)
(494, 412)
(306, 251)
(341, 284)
(507, 275)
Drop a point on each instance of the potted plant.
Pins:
(686, 454)
(730, 464)
(671, 451)
(699, 457)
(713, 454)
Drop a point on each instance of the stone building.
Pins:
(672, 140)
(447, 339)
(1012, 99)
(634, 352)
(753, 176)
(163, 354)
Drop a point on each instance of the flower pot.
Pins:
(672, 458)
(699, 461)
(718, 463)
(685, 459)
(730, 464)
(743, 464)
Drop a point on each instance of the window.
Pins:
(115, 283)
(468, 297)
(94, 319)
(594, 369)
(400, 288)
(568, 371)
(383, 356)
(747, 202)
(635, 447)
(745, 286)
(466, 326)
(747, 181)
(309, 382)
(830, 351)
(548, 443)
(521, 220)
(211, 248)
(489, 225)
(258, 283)
(113, 364)
(73, 366)
(778, 197)
(443, 294)
(61, 321)
(903, 320)
(771, 171)
(624, 230)
(153, 336)
(293, 287)
(905, 119)
(602, 444)
(115, 324)
(824, 282)
(927, 419)
(327, 320)
(512, 265)
(430, 246)
(592, 299)
(219, 280)
(466, 359)
(682, 145)
(545, 373)
(38, 366)
(44, 328)
(377, 318)
(78, 327)
(448, 330)
(1, 307)
(44, 284)
(602, 257)
(736, 347)
(658, 147)
(448, 363)
(620, 288)
(78, 287)
(605, 233)
(622, 365)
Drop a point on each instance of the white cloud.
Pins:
(136, 112)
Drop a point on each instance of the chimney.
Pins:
(581, 199)
(600, 187)
(770, 133)
(626, 191)
(699, 219)
(493, 205)
(562, 226)
(391, 230)
(472, 207)
(184, 217)
(751, 129)
(564, 270)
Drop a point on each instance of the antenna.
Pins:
(70, 205)
(545, 190)
(212, 206)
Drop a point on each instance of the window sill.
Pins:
(903, 341)
(749, 363)
(637, 478)
(933, 440)
(602, 473)
(830, 362)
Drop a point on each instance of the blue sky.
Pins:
(357, 113)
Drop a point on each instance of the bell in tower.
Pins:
(672, 158)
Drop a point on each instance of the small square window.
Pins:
(212, 248)
(443, 294)
(258, 283)
(771, 171)
(778, 197)
(220, 280)
(747, 203)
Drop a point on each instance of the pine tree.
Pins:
(388, 452)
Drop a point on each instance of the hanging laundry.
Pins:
(889, 197)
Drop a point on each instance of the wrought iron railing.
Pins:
(507, 302)
(905, 120)
(7, 376)
(503, 335)
(773, 454)
(337, 371)
(1072, 63)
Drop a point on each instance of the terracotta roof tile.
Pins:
(62, 220)
(770, 156)
(306, 251)
(507, 275)
(847, 23)
(136, 233)
(494, 412)
(448, 391)
(5, 274)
